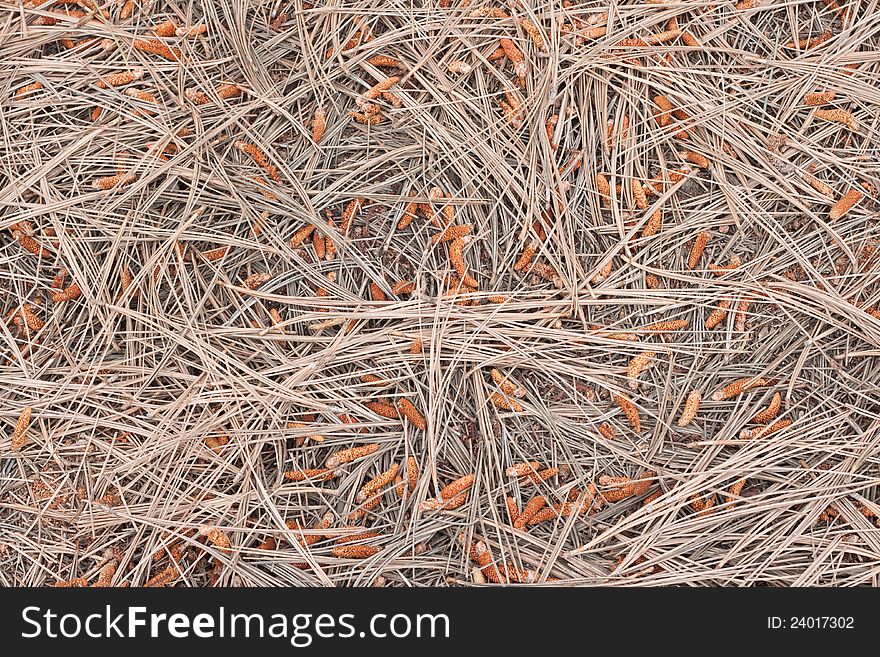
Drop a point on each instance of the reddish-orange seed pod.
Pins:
(505, 403)
(109, 182)
(372, 379)
(227, 91)
(770, 412)
(409, 214)
(629, 409)
(451, 232)
(844, 204)
(28, 317)
(156, 47)
(19, 434)
(403, 287)
(522, 469)
(604, 189)
(665, 326)
(416, 347)
(663, 117)
(29, 244)
(506, 385)
(121, 78)
(458, 486)
(319, 124)
(67, 294)
(515, 56)
(695, 158)
(652, 281)
(838, 116)
(400, 487)
(607, 431)
(355, 551)
(163, 577)
(527, 255)
(377, 483)
(352, 453)
(750, 434)
(214, 254)
(534, 505)
(736, 489)
(819, 98)
(217, 537)
(512, 509)
(733, 265)
(255, 280)
(376, 293)
(380, 61)
(301, 235)
(216, 443)
(269, 544)
(411, 413)
(690, 40)
(105, 575)
(739, 386)
(354, 538)
(639, 195)
(719, 314)
(742, 310)
(532, 30)
(318, 474)
(376, 90)
(367, 118)
(191, 31)
(259, 157)
(350, 213)
(27, 89)
(637, 365)
(165, 29)
(319, 244)
(655, 222)
(76, 582)
(412, 472)
(538, 477)
(456, 256)
(691, 406)
(384, 409)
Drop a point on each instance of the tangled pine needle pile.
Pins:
(439, 293)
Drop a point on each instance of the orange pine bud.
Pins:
(412, 472)
(259, 157)
(451, 232)
(217, 537)
(770, 412)
(384, 409)
(216, 443)
(29, 244)
(191, 32)
(733, 265)
(355, 551)
(376, 90)
(527, 255)
(819, 98)
(691, 406)
(838, 116)
(351, 454)
(697, 249)
(121, 78)
(319, 124)
(27, 89)
(255, 280)
(19, 434)
(538, 477)
(607, 431)
(629, 409)
(739, 386)
(67, 294)
(318, 474)
(349, 214)
(522, 469)
(119, 180)
(416, 347)
(603, 273)
(665, 326)
(534, 505)
(637, 365)
(655, 222)
(515, 56)
(750, 434)
(507, 386)
(604, 189)
(663, 117)
(105, 575)
(377, 483)
(367, 118)
(695, 158)
(301, 235)
(844, 204)
(458, 486)
(736, 489)
(166, 29)
(411, 413)
(403, 287)
(742, 310)
(156, 47)
(719, 314)
(409, 214)
(639, 195)
(505, 403)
